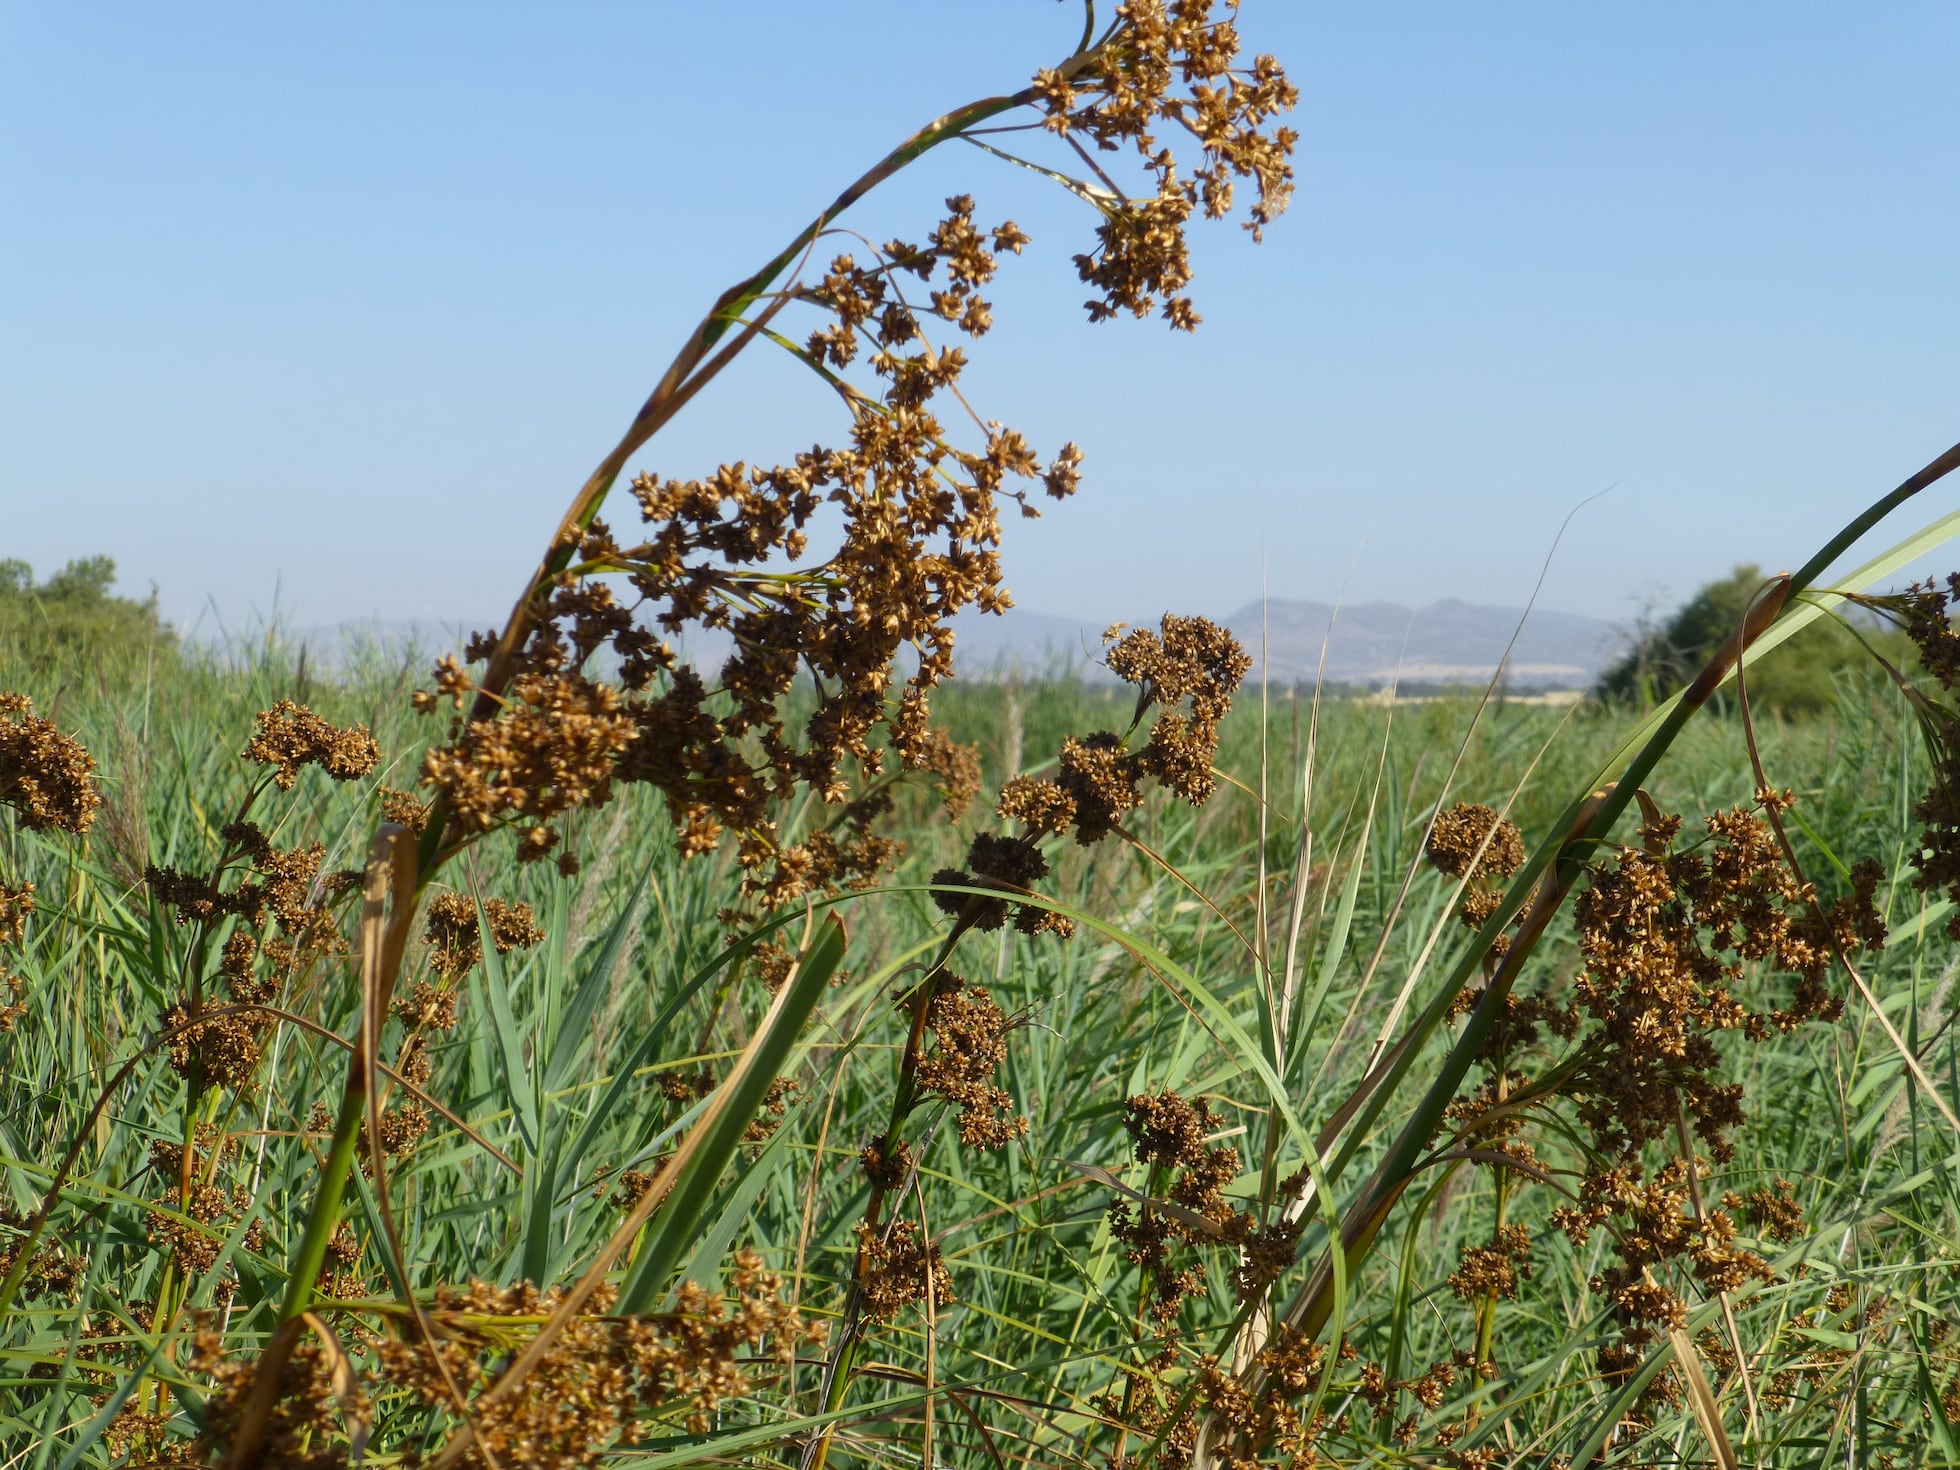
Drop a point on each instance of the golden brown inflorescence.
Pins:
(1188, 670)
(455, 937)
(921, 524)
(970, 1047)
(1926, 614)
(1142, 260)
(1668, 939)
(46, 777)
(900, 1267)
(920, 515)
(604, 1383)
(290, 736)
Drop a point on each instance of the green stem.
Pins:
(311, 1255)
(1587, 821)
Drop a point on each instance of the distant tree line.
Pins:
(73, 617)
(1801, 676)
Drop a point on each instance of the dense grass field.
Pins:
(580, 1058)
(557, 1055)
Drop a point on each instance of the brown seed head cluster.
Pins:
(1666, 938)
(1471, 841)
(920, 527)
(1188, 670)
(52, 1269)
(1168, 1134)
(1174, 63)
(970, 1046)
(599, 1387)
(401, 808)
(16, 907)
(1494, 1269)
(900, 1267)
(1925, 613)
(551, 750)
(1670, 939)
(603, 1378)
(320, 1404)
(455, 937)
(291, 735)
(45, 776)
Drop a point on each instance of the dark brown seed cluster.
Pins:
(552, 749)
(921, 523)
(52, 1269)
(455, 937)
(1494, 1269)
(1471, 841)
(781, 1092)
(290, 736)
(194, 1226)
(1671, 941)
(1771, 1211)
(1175, 65)
(1925, 612)
(321, 1404)
(1168, 1135)
(1474, 843)
(45, 776)
(283, 901)
(970, 1047)
(16, 907)
(401, 808)
(48, 779)
(900, 1267)
(601, 1385)
(1188, 670)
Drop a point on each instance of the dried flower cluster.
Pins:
(52, 1269)
(290, 736)
(1168, 1135)
(970, 1035)
(920, 527)
(16, 907)
(605, 1382)
(455, 938)
(320, 1402)
(45, 776)
(1925, 612)
(1672, 941)
(196, 1214)
(898, 1267)
(1474, 843)
(283, 902)
(1188, 671)
(604, 1378)
(1142, 260)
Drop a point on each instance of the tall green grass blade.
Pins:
(520, 1095)
(590, 991)
(674, 1227)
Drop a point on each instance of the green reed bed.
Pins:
(562, 1055)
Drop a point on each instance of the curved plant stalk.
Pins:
(1554, 870)
(693, 369)
(389, 875)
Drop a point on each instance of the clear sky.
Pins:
(340, 303)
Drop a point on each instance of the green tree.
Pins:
(73, 616)
(1799, 677)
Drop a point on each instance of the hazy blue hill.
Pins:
(1369, 642)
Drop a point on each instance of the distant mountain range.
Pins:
(1366, 643)
(1370, 643)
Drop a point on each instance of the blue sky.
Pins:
(339, 304)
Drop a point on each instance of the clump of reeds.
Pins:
(1584, 1090)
